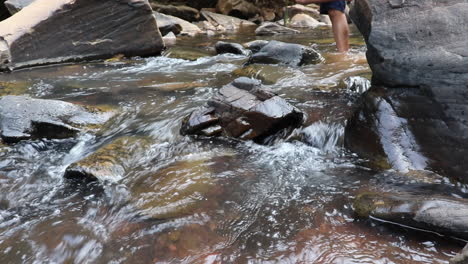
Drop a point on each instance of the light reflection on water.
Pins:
(243, 203)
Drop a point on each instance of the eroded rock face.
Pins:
(244, 110)
(27, 118)
(276, 52)
(431, 51)
(78, 30)
(445, 215)
(110, 162)
(412, 130)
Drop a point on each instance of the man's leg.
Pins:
(340, 29)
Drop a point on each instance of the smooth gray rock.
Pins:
(77, 30)
(415, 42)
(27, 118)
(441, 214)
(276, 52)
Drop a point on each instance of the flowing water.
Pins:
(289, 202)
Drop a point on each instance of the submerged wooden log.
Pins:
(54, 31)
(440, 214)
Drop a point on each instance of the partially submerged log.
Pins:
(55, 31)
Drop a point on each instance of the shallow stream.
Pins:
(285, 203)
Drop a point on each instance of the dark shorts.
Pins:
(338, 5)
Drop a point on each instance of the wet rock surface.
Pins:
(444, 215)
(244, 110)
(71, 28)
(27, 118)
(412, 130)
(234, 48)
(227, 23)
(431, 51)
(272, 28)
(110, 162)
(276, 52)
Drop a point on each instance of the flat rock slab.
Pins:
(433, 50)
(110, 162)
(243, 110)
(27, 118)
(77, 30)
(227, 22)
(444, 215)
(272, 28)
(176, 25)
(276, 52)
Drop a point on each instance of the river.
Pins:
(289, 202)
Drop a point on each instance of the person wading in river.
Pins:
(335, 10)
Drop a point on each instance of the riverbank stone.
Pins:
(23, 118)
(272, 28)
(71, 27)
(228, 23)
(276, 52)
(110, 162)
(441, 214)
(177, 25)
(245, 110)
(430, 52)
(234, 48)
(181, 11)
(237, 8)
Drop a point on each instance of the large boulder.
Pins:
(77, 30)
(14, 6)
(244, 110)
(441, 214)
(238, 8)
(412, 130)
(432, 50)
(27, 118)
(276, 52)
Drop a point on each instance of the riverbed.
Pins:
(288, 202)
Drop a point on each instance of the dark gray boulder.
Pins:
(441, 214)
(234, 48)
(27, 118)
(276, 52)
(415, 42)
(77, 30)
(243, 110)
(14, 6)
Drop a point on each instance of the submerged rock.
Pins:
(444, 215)
(244, 110)
(276, 52)
(186, 53)
(70, 26)
(175, 190)
(227, 22)
(432, 51)
(234, 48)
(268, 74)
(110, 162)
(357, 84)
(272, 28)
(27, 118)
